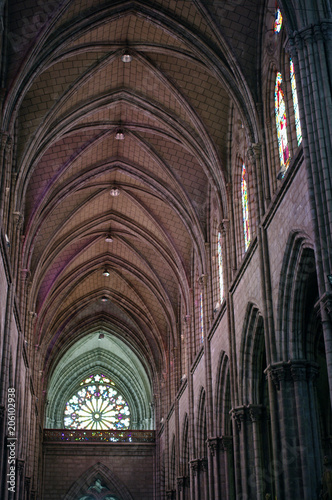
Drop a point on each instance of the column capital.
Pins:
(204, 464)
(213, 445)
(226, 443)
(278, 372)
(195, 465)
(239, 415)
(298, 369)
(256, 412)
(180, 482)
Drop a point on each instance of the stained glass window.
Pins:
(245, 208)
(295, 104)
(278, 21)
(281, 123)
(201, 317)
(97, 405)
(220, 268)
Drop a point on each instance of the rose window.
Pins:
(97, 405)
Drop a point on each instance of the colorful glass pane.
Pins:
(97, 405)
(220, 269)
(295, 104)
(278, 21)
(281, 123)
(245, 208)
(201, 317)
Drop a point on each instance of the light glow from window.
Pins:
(97, 405)
(295, 104)
(281, 123)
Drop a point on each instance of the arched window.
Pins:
(220, 269)
(97, 405)
(281, 123)
(295, 104)
(245, 207)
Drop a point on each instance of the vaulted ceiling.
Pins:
(69, 93)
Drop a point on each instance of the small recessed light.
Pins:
(126, 57)
(106, 272)
(114, 191)
(108, 239)
(119, 136)
(104, 299)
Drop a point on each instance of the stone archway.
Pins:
(98, 483)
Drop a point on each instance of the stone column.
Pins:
(298, 472)
(180, 488)
(240, 416)
(226, 448)
(19, 493)
(213, 445)
(255, 413)
(311, 53)
(195, 483)
(27, 484)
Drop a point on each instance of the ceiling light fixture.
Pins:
(114, 191)
(104, 298)
(106, 272)
(108, 238)
(126, 57)
(119, 136)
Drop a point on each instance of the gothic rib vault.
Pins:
(135, 136)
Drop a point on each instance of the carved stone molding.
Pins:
(180, 482)
(195, 466)
(239, 415)
(256, 412)
(298, 371)
(295, 370)
(278, 373)
(204, 464)
(213, 445)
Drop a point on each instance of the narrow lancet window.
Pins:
(281, 123)
(278, 21)
(220, 269)
(295, 104)
(245, 208)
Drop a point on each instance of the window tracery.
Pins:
(97, 405)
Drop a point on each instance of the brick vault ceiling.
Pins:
(69, 92)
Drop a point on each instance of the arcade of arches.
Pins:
(165, 249)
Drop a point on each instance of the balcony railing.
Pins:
(91, 436)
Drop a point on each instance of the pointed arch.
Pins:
(298, 275)
(223, 397)
(108, 479)
(252, 356)
(184, 456)
(201, 430)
